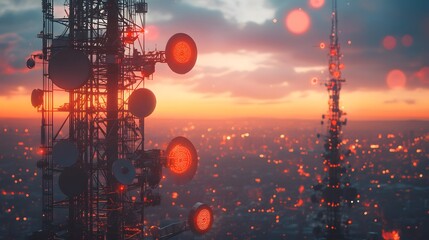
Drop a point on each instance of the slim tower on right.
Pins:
(336, 188)
(332, 158)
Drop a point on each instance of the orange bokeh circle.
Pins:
(396, 79)
(297, 21)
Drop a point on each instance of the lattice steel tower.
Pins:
(93, 144)
(333, 142)
(335, 189)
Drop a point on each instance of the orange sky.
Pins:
(176, 102)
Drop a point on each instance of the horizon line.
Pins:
(245, 118)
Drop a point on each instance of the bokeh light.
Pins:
(316, 3)
(297, 21)
(396, 79)
(389, 42)
(407, 40)
(423, 75)
(314, 81)
(151, 33)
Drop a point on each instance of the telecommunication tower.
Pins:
(96, 58)
(335, 189)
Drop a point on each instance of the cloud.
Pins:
(398, 101)
(367, 63)
(409, 101)
(9, 44)
(309, 69)
(17, 42)
(238, 61)
(244, 53)
(8, 6)
(238, 11)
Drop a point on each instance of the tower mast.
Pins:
(95, 154)
(113, 46)
(333, 157)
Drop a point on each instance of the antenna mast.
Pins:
(335, 189)
(93, 148)
(333, 157)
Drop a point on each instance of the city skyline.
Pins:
(257, 176)
(257, 59)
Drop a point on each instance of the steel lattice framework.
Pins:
(98, 121)
(333, 157)
(335, 189)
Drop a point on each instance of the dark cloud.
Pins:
(365, 23)
(27, 22)
(18, 30)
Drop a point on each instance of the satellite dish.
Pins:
(200, 218)
(123, 171)
(69, 69)
(181, 53)
(31, 63)
(182, 159)
(65, 153)
(73, 181)
(142, 102)
(37, 97)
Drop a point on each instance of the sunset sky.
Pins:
(257, 58)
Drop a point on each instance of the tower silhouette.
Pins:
(335, 189)
(93, 145)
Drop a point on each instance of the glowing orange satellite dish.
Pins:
(182, 159)
(181, 53)
(69, 68)
(142, 102)
(200, 218)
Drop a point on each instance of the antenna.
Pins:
(333, 190)
(98, 59)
